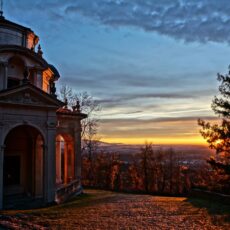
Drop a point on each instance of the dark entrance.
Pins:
(23, 162)
(11, 170)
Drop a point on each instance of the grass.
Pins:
(98, 209)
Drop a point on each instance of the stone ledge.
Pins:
(67, 191)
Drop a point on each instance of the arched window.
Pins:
(64, 159)
(16, 68)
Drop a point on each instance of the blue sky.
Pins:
(152, 65)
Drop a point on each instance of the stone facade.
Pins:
(40, 138)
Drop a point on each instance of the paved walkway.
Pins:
(107, 210)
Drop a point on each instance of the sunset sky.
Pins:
(151, 64)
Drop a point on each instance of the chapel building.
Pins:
(40, 138)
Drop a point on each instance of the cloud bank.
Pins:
(189, 20)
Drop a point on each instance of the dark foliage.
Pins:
(218, 135)
(162, 172)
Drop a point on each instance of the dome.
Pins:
(15, 34)
(55, 71)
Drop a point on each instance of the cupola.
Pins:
(15, 34)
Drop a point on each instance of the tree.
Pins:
(218, 135)
(146, 156)
(91, 123)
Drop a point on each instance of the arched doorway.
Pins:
(64, 159)
(23, 162)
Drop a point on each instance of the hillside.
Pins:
(107, 210)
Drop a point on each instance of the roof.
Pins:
(55, 71)
(24, 51)
(68, 112)
(38, 91)
(13, 25)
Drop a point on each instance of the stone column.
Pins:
(39, 167)
(2, 147)
(77, 150)
(49, 165)
(4, 73)
(2, 80)
(72, 171)
(1, 175)
(65, 163)
(58, 162)
(39, 80)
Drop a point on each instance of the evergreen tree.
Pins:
(218, 135)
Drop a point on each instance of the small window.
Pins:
(13, 82)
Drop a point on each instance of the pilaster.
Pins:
(1, 175)
(5, 75)
(50, 165)
(77, 151)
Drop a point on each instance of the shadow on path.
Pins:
(216, 209)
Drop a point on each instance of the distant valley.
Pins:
(185, 152)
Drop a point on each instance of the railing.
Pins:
(66, 191)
